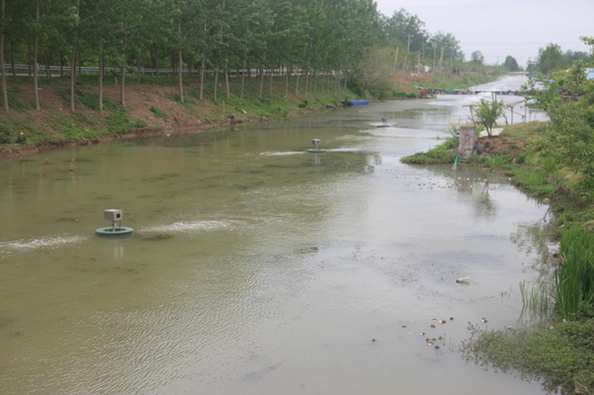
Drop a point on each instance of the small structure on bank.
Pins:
(467, 142)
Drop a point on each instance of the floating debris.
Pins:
(437, 347)
(443, 321)
(373, 340)
(403, 326)
(451, 318)
(463, 280)
(432, 326)
(484, 320)
(422, 334)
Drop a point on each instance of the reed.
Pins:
(574, 280)
(536, 299)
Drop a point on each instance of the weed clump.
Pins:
(444, 153)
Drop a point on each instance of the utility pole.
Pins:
(396, 58)
(434, 54)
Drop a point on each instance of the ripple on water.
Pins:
(189, 226)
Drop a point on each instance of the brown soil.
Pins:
(499, 145)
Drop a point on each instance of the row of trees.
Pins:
(314, 37)
(552, 58)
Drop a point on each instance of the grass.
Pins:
(443, 153)
(536, 299)
(561, 355)
(159, 113)
(574, 281)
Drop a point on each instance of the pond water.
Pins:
(258, 268)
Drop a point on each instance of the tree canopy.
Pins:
(211, 37)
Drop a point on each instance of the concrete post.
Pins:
(467, 142)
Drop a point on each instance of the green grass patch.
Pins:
(561, 354)
(444, 153)
(119, 122)
(14, 100)
(159, 113)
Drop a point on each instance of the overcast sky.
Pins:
(504, 27)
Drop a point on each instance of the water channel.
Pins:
(258, 268)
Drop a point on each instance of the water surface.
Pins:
(257, 268)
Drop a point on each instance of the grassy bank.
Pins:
(149, 106)
(405, 84)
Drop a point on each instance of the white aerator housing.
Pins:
(316, 142)
(113, 215)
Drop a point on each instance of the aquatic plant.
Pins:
(574, 280)
(536, 299)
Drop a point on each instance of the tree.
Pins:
(487, 113)
(477, 57)
(3, 71)
(551, 59)
(375, 69)
(511, 64)
(569, 102)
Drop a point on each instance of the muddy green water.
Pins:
(257, 268)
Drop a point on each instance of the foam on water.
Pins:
(43, 242)
(189, 226)
(282, 153)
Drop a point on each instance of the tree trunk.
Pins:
(100, 88)
(216, 85)
(227, 80)
(270, 82)
(261, 80)
(315, 81)
(79, 65)
(287, 76)
(173, 68)
(157, 62)
(100, 93)
(337, 87)
(138, 69)
(181, 77)
(297, 83)
(346, 76)
(73, 60)
(2, 70)
(306, 82)
(29, 58)
(12, 59)
(61, 65)
(242, 79)
(202, 71)
(48, 72)
(35, 67)
(123, 68)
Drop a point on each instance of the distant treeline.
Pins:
(552, 58)
(216, 37)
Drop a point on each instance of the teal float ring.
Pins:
(114, 232)
(316, 150)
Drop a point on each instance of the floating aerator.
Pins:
(316, 150)
(114, 217)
